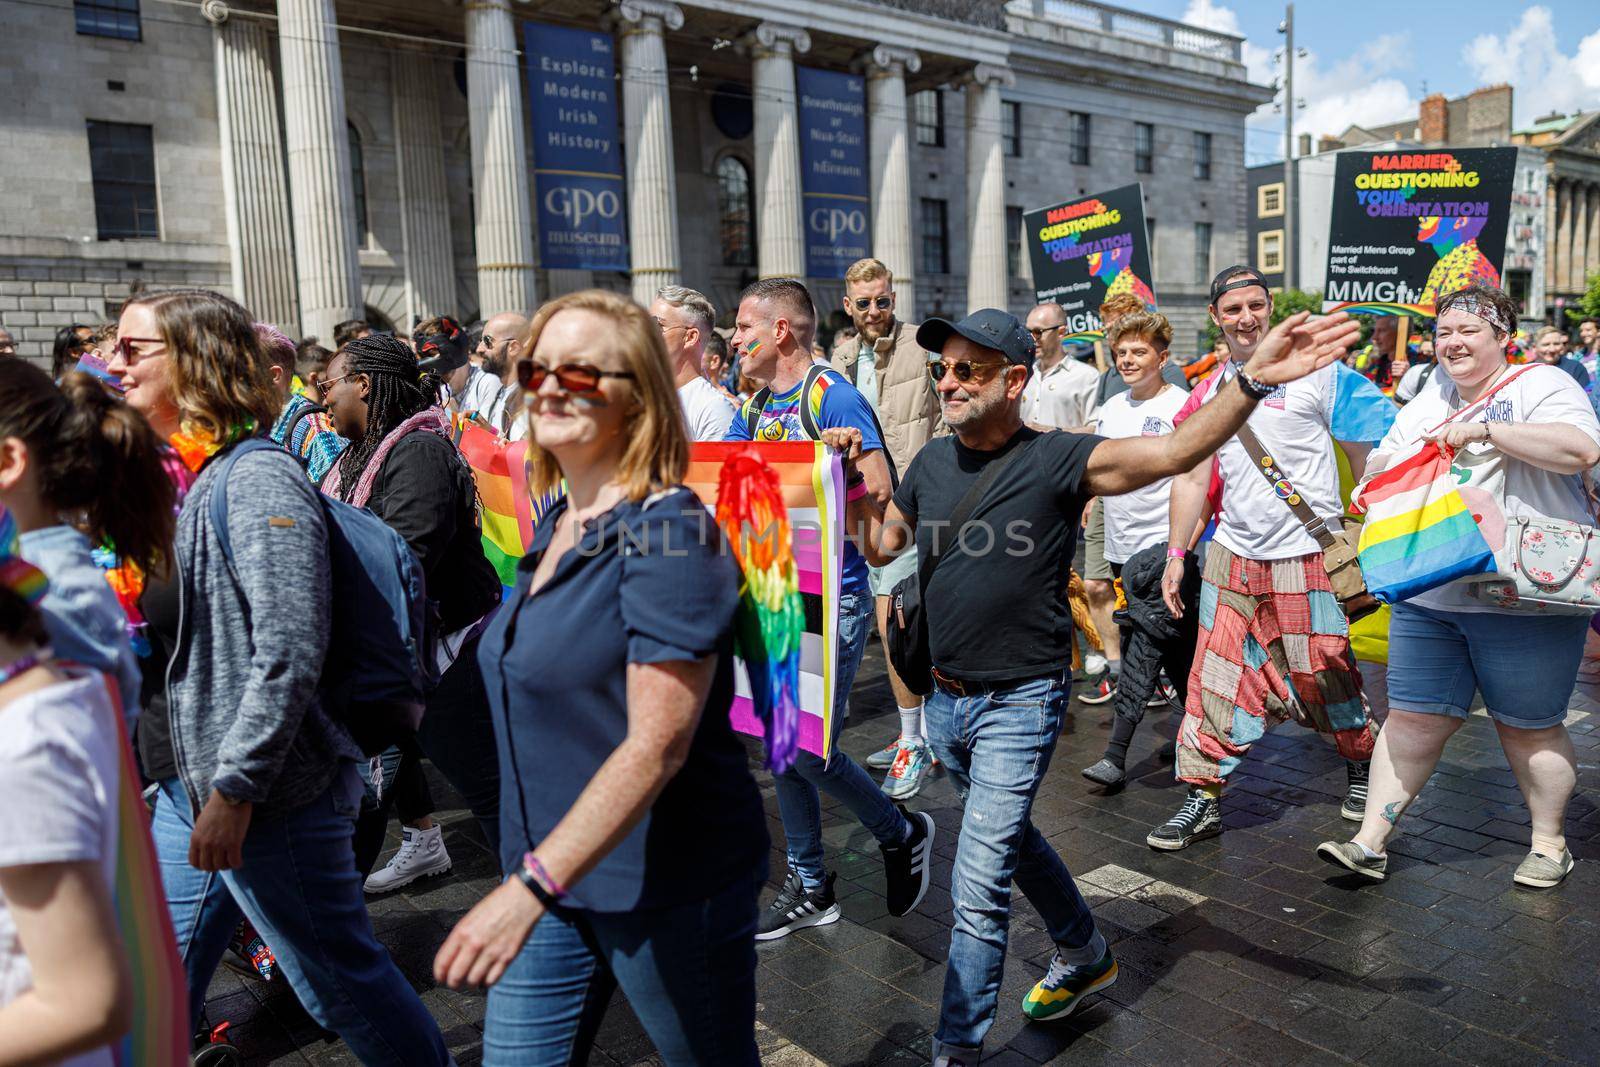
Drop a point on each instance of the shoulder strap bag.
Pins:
(906, 633)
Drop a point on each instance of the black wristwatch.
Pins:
(526, 877)
(1253, 388)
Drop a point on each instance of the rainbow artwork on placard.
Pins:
(812, 483)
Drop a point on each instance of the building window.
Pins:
(358, 181)
(1202, 157)
(1144, 148)
(935, 237)
(1269, 201)
(1011, 128)
(1269, 251)
(122, 165)
(1202, 253)
(1078, 138)
(108, 18)
(736, 209)
(1013, 242)
(928, 108)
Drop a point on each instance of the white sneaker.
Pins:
(422, 853)
(1094, 663)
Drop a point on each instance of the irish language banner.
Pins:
(1085, 250)
(1408, 227)
(577, 162)
(833, 169)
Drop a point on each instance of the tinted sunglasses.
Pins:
(124, 347)
(964, 370)
(570, 377)
(883, 303)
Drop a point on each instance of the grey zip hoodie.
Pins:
(241, 686)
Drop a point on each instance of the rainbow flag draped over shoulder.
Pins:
(812, 485)
(1419, 532)
(160, 1036)
(506, 512)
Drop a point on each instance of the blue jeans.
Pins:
(689, 973)
(799, 805)
(300, 889)
(997, 745)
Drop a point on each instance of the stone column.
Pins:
(1549, 248)
(1563, 241)
(1591, 252)
(780, 232)
(888, 133)
(987, 284)
(424, 195)
(319, 166)
(254, 186)
(504, 225)
(647, 124)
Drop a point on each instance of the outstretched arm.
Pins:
(1293, 349)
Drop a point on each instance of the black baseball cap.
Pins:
(1239, 276)
(989, 327)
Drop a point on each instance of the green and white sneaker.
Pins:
(1352, 857)
(1539, 871)
(883, 759)
(1064, 988)
(904, 779)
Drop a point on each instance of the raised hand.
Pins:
(1301, 345)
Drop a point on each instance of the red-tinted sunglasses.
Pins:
(571, 377)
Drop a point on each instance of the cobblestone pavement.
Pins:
(1241, 949)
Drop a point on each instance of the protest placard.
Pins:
(1410, 226)
(1087, 249)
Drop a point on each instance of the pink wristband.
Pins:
(553, 887)
(857, 491)
(1176, 553)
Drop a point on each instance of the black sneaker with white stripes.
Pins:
(1355, 801)
(906, 866)
(1200, 817)
(794, 908)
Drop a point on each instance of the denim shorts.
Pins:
(1524, 665)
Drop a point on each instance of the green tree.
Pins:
(1588, 304)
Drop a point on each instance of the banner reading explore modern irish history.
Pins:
(577, 162)
(1409, 226)
(1087, 249)
(833, 169)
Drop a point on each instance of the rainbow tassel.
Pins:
(771, 619)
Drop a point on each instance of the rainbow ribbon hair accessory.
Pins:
(771, 620)
(1419, 532)
(16, 573)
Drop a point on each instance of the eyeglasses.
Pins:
(964, 370)
(882, 303)
(124, 347)
(322, 386)
(570, 377)
(486, 341)
(665, 326)
(1040, 331)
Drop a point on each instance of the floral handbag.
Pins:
(1554, 569)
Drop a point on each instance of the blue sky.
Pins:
(1371, 61)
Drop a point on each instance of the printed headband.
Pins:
(16, 573)
(1479, 308)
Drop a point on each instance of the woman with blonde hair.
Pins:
(258, 813)
(632, 834)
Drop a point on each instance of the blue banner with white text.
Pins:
(577, 160)
(833, 169)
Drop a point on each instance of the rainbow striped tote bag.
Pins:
(1419, 533)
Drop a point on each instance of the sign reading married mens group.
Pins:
(1409, 226)
(1085, 250)
(577, 162)
(833, 169)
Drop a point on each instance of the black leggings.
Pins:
(1144, 656)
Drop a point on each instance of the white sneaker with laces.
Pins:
(422, 853)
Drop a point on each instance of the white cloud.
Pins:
(1529, 56)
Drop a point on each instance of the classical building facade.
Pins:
(331, 159)
(1571, 145)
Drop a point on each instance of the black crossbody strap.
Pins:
(964, 508)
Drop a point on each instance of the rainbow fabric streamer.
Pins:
(160, 1036)
(505, 511)
(808, 478)
(1419, 532)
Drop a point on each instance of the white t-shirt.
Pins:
(707, 412)
(1542, 393)
(1292, 424)
(1137, 520)
(59, 768)
(1062, 396)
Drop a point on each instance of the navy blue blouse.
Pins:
(648, 582)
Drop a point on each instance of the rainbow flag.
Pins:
(506, 512)
(813, 492)
(1419, 533)
(160, 1036)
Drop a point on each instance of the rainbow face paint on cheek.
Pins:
(752, 348)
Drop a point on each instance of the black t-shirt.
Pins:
(997, 603)
(159, 604)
